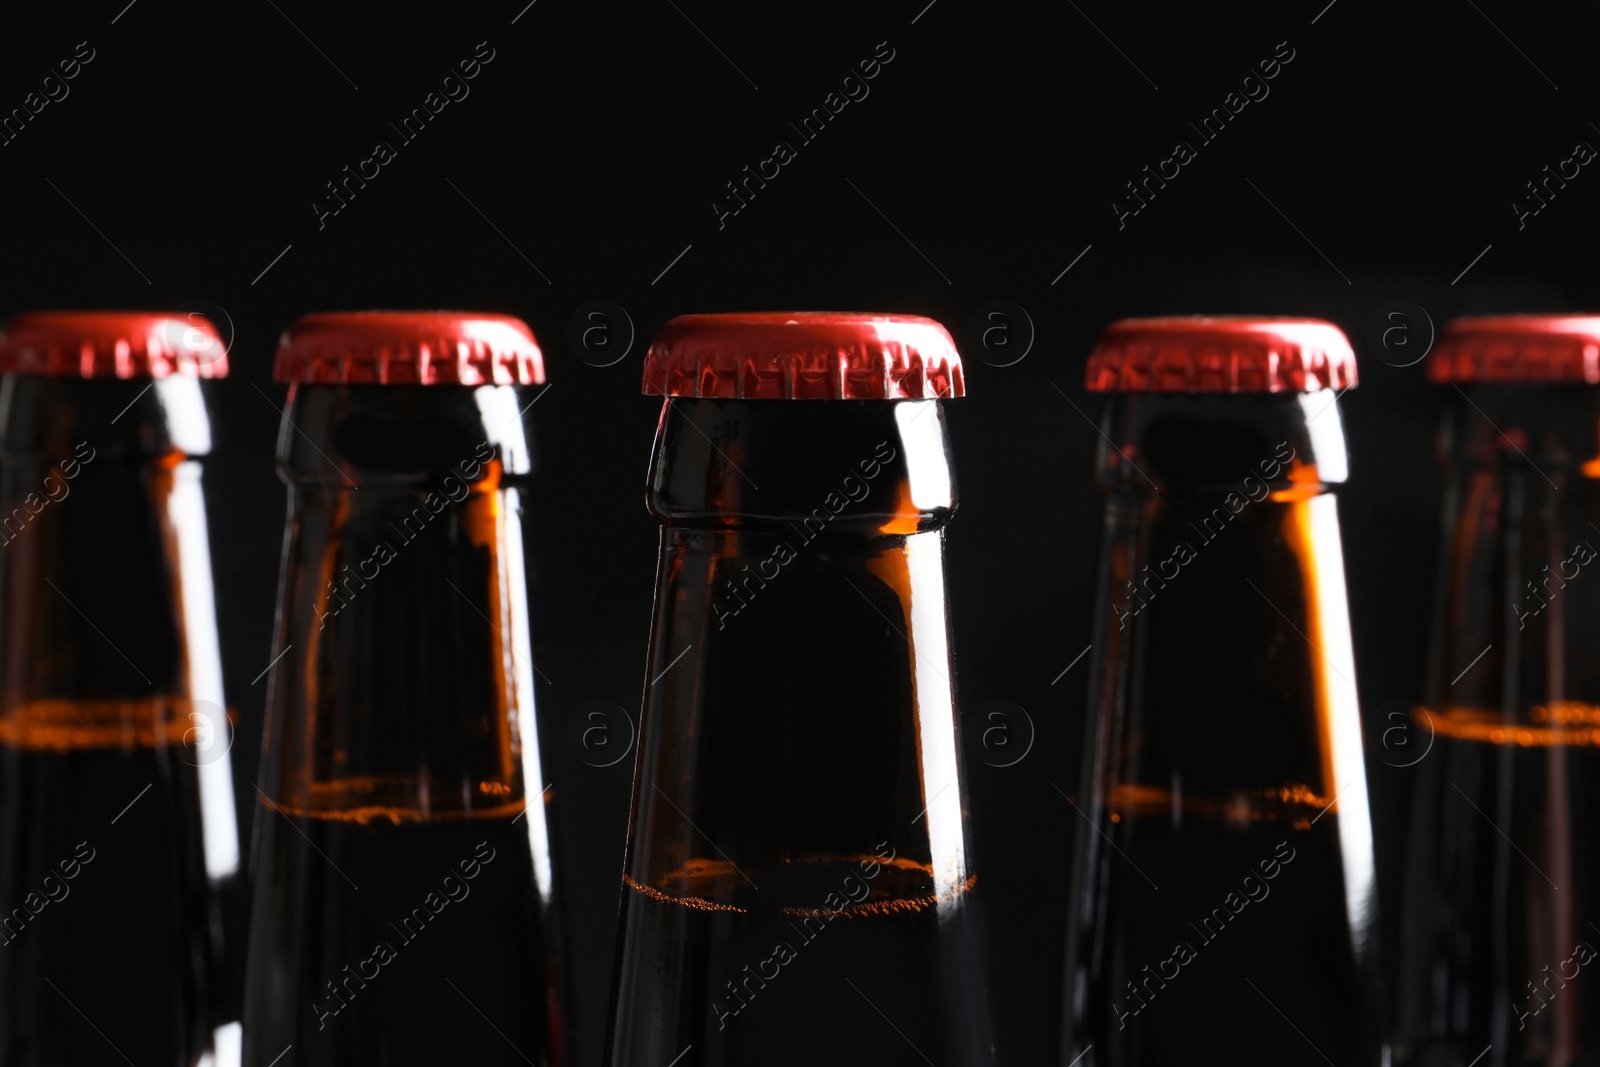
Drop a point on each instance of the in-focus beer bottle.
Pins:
(1224, 893)
(798, 880)
(403, 905)
(119, 846)
(1502, 892)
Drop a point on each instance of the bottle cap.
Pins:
(1518, 348)
(803, 355)
(408, 348)
(112, 344)
(1225, 354)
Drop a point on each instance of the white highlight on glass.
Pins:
(1344, 716)
(922, 445)
(1326, 425)
(519, 668)
(185, 409)
(503, 421)
(186, 520)
(227, 1043)
(936, 723)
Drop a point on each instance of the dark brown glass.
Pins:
(1223, 889)
(119, 848)
(1502, 887)
(798, 883)
(403, 910)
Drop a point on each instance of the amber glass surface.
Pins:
(1224, 894)
(798, 884)
(119, 849)
(403, 910)
(1502, 891)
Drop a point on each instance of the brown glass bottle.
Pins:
(119, 847)
(403, 904)
(798, 880)
(1502, 890)
(1223, 889)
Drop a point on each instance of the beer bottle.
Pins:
(1502, 893)
(119, 846)
(403, 904)
(1223, 887)
(798, 867)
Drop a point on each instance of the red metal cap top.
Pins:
(1227, 354)
(112, 344)
(1518, 348)
(408, 348)
(803, 355)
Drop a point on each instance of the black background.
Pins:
(982, 163)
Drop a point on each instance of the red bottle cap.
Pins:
(1226, 354)
(112, 344)
(408, 348)
(803, 355)
(1518, 348)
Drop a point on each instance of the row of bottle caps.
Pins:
(789, 355)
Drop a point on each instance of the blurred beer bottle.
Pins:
(797, 887)
(119, 844)
(1502, 890)
(403, 910)
(1223, 889)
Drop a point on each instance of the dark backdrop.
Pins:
(187, 154)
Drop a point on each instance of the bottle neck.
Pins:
(405, 691)
(108, 632)
(1223, 702)
(1522, 492)
(800, 594)
(1223, 574)
(107, 578)
(799, 748)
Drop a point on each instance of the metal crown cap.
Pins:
(408, 348)
(1506, 349)
(804, 355)
(112, 344)
(1225, 354)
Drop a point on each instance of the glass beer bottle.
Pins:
(1223, 889)
(119, 844)
(403, 903)
(1502, 890)
(798, 867)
